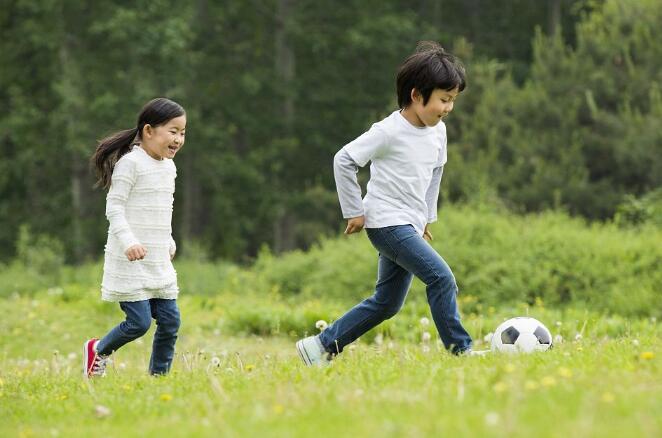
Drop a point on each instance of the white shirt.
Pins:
(403, 160)
(139, 210)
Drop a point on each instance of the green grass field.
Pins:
(237, 373)
(607, 382)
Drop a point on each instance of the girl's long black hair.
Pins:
(109, 150)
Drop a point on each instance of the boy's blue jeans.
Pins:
(403, 253)
(139, 316)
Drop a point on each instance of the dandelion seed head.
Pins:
(426, 336)
(424, 322)
(101, 411)
(492, 418)
(558, 339)
(321, 325)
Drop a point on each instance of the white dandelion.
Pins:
(424, 322)
(321, 325)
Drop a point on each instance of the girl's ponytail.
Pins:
(108, 152)
(156, 112)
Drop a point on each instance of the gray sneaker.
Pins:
(312, 353)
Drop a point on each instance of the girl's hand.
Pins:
(355, 224)
(172, 255)
(427, 235)
(135, 252)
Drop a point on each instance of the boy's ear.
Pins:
(415, 95)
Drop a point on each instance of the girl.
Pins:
(136, 167)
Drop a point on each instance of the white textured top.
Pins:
(139, 209)
(404, 159)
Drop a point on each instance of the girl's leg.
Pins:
(136, 324)
(390, 291)
(166, 314)
(416, 255)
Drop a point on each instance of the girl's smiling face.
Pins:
(164, 141)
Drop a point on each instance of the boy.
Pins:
(408, 152)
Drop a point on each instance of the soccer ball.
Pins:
(521, 334)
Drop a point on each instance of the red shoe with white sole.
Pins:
(94, 364)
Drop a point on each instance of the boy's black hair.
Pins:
(429, 67)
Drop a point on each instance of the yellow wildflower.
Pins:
(565, 372)
(647, 355)
(530, 385)
(166, 397)
(608, 397)
(548, 381)
(500, 387)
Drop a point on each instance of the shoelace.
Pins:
(99, 365)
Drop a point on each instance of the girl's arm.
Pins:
(123, 180)
(173, 248)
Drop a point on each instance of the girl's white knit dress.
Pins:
(139, 209)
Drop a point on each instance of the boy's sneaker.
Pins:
(312, 353)
(94, 364)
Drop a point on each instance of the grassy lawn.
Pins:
(607, 382)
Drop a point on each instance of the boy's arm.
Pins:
(432, 195)
(355, 154)
(123, 180)
(349, 190)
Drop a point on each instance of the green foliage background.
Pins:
(561, 110)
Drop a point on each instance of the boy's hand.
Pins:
(427, 235)
(355, 224)
(135, 252)
(172, 255)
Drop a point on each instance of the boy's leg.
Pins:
(166, 314)
(390, 291)
(136, 324)
(417, 256)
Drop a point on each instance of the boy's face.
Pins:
(438, 106)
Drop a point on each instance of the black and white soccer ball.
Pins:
(521, 334)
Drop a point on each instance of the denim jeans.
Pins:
(403, 253)
(139, 316)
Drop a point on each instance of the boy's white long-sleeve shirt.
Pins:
(405, 173)
(139, 210)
